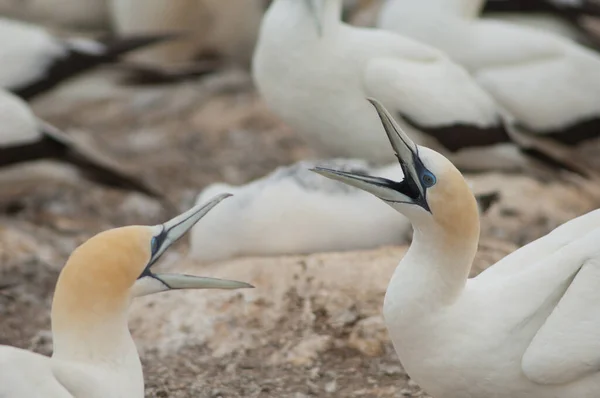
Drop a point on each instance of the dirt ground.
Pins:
(311, 328)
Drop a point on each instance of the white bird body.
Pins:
(524, 328)
(549, 84)
(499, 332)
(26, 52)
(294, 211)
(318, 83)
(31, 375)
(94, 355)
(316, 214)
(545, 22)
(34, 61)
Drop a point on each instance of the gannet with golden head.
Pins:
(526, 327)
(94, 354)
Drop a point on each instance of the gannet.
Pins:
(549, 84)
(525, 327)
(314, 72)
(94, 354)
(24, 138)
(34, 61)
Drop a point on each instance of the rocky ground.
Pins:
(313, 325)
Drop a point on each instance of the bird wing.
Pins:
(438, 97)
(566, 348)
(547, 83)
(82, 55)
(93, 163)
(26, 374)
(545, 246)
(567, 7)
(33, 61)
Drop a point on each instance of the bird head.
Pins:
(104, 273)
(432, 194)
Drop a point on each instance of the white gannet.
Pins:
(78, 14)
(549, 84)
(24, 138)
(524, 328)
(210, 27)
(315, 71)
(94, 354)
(34, 61)
(318, 215)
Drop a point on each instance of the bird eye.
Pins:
(428, 179)
(154, 245)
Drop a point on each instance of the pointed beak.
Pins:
(167, 234)
(410, 190)
(315, 7)
(174, 229)
(179, 281)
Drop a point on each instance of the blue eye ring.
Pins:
(154, 245)
(428, 179)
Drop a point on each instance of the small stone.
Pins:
(308, 350)
(391, 370)
(331, 387)
(369, 336)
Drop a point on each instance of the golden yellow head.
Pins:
(104, 273)
(433, 195)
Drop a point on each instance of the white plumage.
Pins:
(34, 61)
(526, 327)
(94, 355)
(550, 84)
(315, 73)
(294, 211)
(25, 138)
(27, 51)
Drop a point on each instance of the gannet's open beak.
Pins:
(167, 234)
(316, 10)
(412, 189)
